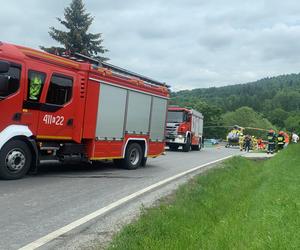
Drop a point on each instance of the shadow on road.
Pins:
(86, 170)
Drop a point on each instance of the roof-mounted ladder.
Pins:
(118, 70)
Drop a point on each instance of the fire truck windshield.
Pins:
(176, 116)
(10, 81)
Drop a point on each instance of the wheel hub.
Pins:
(134, 156)
(15, 160)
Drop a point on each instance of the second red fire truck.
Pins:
(54, 109)
(184, 128)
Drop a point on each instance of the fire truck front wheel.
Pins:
(187, 146)
(196, 147)
(15, 160)
(133, 157)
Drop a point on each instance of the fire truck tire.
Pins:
(144, 161)
(15, 160)
(196, 147)
(187, 146)
(133, 157)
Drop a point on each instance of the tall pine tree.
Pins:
(76, 38)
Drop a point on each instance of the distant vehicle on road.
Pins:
(214, 141)
(184, 128)
(211, 141)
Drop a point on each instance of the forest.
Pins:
(272, 102)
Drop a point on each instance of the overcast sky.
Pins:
(186, 43)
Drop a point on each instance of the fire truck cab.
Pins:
(184, 128)
(54, 109)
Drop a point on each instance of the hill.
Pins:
(275, 98)
(247, 117)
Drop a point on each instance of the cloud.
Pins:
(188, 44)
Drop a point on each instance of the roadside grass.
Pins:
(244, 204)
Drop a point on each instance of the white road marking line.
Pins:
(51, 236)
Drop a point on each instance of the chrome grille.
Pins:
(172, 130)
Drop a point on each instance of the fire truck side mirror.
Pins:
(4, 67)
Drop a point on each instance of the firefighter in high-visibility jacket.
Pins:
(35, 88)
(280, 140)
(241, 141)
(254, 143)
(271, 141)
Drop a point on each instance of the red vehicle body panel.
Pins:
(79, 115)
(185, 127)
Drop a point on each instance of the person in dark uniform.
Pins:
(271, 141)
(247, 142)
(280, 140)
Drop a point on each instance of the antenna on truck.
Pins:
(116, 69)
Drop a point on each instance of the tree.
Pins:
(76, 38)
(247, 117)
(278, 117)
(212, 116)
(288, 100)
(212, 119)
(293, 123)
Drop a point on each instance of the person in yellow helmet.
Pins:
(241, 141)
(35, 87)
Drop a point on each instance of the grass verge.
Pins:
(242, 205)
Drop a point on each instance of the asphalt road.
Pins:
(38, 205)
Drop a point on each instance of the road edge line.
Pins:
(63, 230)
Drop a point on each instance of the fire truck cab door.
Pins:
(57, 114)
(50, 96)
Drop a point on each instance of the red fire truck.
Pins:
(184, 128)
(56, 109)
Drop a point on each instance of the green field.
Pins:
(243, 204)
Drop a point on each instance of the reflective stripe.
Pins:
(54, 137)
